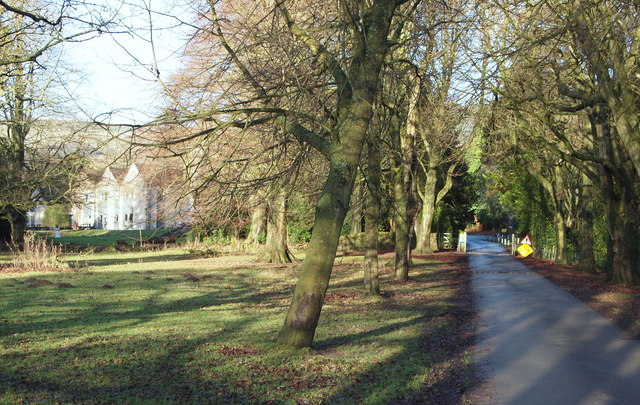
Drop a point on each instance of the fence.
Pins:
(511, 242)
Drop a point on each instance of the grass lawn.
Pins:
(166, 328)
(100, 237)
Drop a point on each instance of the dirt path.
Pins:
(536, 344)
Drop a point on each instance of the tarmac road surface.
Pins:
(536, 344)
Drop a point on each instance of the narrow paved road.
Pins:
(538, 345)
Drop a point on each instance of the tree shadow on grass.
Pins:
(83, 314)
(438, 361)
(174, 371)
(434, 369)
(178, 369)
(168, 375)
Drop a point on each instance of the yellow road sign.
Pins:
(525, 250)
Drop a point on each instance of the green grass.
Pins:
(160, 336)
(101, 237)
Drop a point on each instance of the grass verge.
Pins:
(203, 331)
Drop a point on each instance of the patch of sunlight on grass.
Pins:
(172, 328)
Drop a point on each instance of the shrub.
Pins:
(299, 234)
(36, 254)
(57, 215)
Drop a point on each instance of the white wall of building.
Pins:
(118, 202)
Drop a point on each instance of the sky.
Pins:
(109, 84)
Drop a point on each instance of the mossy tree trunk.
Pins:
(561, 215)
(356, 94)
(621, 205)
(258, 223)
(621, 211)
(303, 314)
(18, 127)
(400, 215)
(423, 244)
(356, 209)
(276, 249)
(560, 227)
(403, 144)
(553, 185)
(584, 228)
(431, 196)
(372, 217)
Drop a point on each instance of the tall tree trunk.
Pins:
(372, 216)
(621, 210)
(428, 212)
(560, 217)
(401, 261)
(410, 168)
(276, 249)
(354, 115)
(356, 209)
(303, 314)
(584, 228)
(553, 185)
(258, 223)
(403, 145)
(624, 242)
(19, 126)
(560, 227)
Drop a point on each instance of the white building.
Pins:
(36, 215)
(142, 196)
(120, 199)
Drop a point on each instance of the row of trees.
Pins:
(273, 93)
(396, 85)
(276, 95)
(566, 123)
(281, 98)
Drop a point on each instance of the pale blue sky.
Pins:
(111, 80)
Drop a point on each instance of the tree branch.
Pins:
(296, 129)
(319, 50)
(33, 17)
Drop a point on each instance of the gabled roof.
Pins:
(133, 173)
(150, 174)
(124, 175)
(117, 173)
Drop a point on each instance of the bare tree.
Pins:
(29, 34)
(310, 69)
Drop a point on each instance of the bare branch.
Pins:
(31, 16)
(319, 50)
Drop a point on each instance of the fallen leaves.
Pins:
(237, 351)
(332, 297)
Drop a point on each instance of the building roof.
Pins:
(118, 173)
